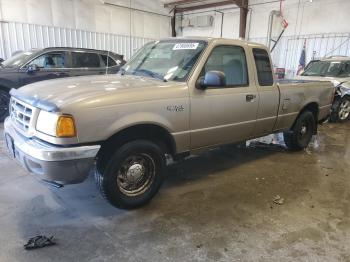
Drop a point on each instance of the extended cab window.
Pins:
(50, 60)
(231, 61)
(83, 59)
(263, 67)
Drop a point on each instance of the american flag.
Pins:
(302, 59)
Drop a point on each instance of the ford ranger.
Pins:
(176, 96)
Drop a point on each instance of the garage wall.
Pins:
(324, 24)
(81, 23)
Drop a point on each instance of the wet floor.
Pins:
(214, 207)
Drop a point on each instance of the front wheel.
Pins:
(133, 174)
(301, 133)
(341, 110)
(4, 104)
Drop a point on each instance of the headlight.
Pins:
(56, 125)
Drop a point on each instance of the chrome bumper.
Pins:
(66, 165)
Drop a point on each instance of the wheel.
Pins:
(132, 175)
(301, 133)
(4, 104)
(341, 110)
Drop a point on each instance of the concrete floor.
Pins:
(215, 207)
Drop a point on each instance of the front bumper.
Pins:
(65, 165)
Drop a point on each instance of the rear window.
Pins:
(108, 61)
(263, 67)
(83, 59)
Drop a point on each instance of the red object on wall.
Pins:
(280, 72)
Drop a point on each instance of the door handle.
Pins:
(250, 97)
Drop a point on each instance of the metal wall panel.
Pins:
(288, 50)
(20, 36)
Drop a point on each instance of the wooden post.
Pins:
(243, 12)
(173, 24)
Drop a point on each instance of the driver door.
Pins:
(228, 113)
(49, 65)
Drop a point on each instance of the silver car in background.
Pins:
(337, 70)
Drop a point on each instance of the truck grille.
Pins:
(21, 114)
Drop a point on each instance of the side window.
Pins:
(230, 60)
(108, 61)
(345, 70)
(84, 59)
(50, 60)
(263, 67)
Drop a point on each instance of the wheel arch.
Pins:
(5, 87)
(312, 107)
(147, 131)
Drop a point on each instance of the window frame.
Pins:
(110, 58)
(64, 52)
(256, 67)
(227, 86)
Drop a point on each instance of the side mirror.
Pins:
(32, 68)
(212, 78)
(1, 60)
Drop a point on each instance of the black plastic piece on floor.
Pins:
(39, 242)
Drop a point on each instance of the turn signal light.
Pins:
(65, 127)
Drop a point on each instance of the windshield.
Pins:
(17, 60)
(328, 68)
(165, 60)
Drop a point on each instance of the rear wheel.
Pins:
(301, 133)
(341, 109)
(4, 104)
(133, 174)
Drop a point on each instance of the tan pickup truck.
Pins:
(174, 97)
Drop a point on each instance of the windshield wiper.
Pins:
(150, 73)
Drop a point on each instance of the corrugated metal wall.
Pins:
(20, 36)
(288, 50)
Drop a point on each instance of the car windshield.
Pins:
(165, 60)
(328, 68)
(17, 60)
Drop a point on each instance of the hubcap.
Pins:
(136, 174)
(344, 110)
(303, 130)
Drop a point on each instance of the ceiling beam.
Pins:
(203, 6)
(181, 2)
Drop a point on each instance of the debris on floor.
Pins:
(273, 142)
(39, 242)
(278, 200)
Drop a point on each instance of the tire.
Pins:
(132, 175)
(340, 110)
(299, 137)
(4, 104)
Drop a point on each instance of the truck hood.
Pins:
(87, 89)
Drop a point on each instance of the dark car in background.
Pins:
(49, 63)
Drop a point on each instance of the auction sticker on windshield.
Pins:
(181, 46)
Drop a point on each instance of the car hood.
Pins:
(4, 70)
(335, 80)
(93, 90)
